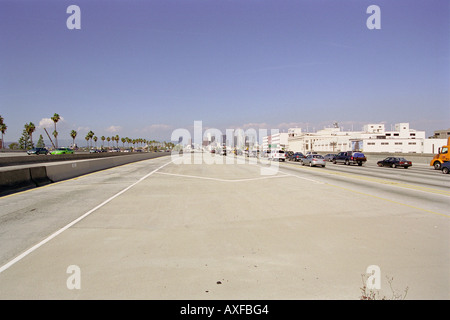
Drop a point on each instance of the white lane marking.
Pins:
(221, 180)
(36, 246)
(303, 178)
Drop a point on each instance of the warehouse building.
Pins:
(372, 138)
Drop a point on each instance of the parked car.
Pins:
(298, 156)
(314, 160)
(329, 157)
(37, 151)
(394, 162)
(445, 167)
(62, 151)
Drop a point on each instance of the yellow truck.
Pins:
(441, 157)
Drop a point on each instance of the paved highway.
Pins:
(161, 229)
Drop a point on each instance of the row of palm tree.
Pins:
(90, 136)
(30, 128)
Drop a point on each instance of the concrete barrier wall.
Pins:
(15, 179)
(68, 170)
(39, 176)
(58, 172)
(20, 179)
(33, 159)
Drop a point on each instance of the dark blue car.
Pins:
(37, 151)
(394, 162)
(445, 167)
(298, 156)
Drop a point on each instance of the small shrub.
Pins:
(374, 294)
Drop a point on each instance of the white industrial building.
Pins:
(277, 141)
(373, 138)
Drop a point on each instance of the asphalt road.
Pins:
(161, 229)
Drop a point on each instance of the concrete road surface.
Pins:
(159, 229)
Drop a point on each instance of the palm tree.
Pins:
(55, 119)
(91, 135)
(117, 139)
(95, 140)
(87, 140)
(55, 134)
(152, 144)
(108, 139)
(3, 128)
(30, 128)
(73, 134)
(146, 143)
(103, 140)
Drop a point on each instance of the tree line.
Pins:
(26, 140)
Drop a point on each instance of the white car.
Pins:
(277, 155)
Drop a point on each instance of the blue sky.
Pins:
(141, 69)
